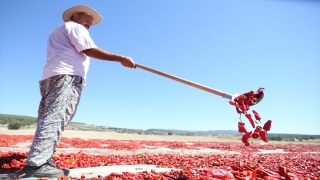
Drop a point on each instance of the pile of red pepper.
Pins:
(132, 145)
(275, 166)
(242, 104)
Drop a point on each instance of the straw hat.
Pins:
(82, 8)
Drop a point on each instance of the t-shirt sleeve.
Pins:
(80, 38)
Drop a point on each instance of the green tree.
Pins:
(170, 133)
(23, 120)
(14, 125)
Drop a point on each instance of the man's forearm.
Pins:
(101, 54)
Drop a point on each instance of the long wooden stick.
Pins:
(190, 83)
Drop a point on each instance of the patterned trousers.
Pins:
(60, 98)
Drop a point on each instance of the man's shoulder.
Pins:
(72, 24)
(69, 23)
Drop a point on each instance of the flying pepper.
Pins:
(263, 136)
(250, 119)
(246, 137)
(242, 128)
(256, 115)
(267, 125)
(255, 135)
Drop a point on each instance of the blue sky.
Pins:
(232, 46)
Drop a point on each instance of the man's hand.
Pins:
(127, 62)
(102, 54)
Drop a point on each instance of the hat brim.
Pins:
(97, 18)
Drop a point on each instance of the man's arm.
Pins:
(101, 54)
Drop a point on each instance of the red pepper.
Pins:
(247, 143)
(251, 120)
(239, 98)
(267, 125)
(219, 173)
(242, 128)
(292, 176)
(254, 174)
(236, 168)
(243, 107)
(263, 136)
(258, 129)
(246, 136)
(269, 178)
(238, 174)
(232, 103)
(266, 172)
(255, 135)
(259, 93)
(253, 101)
(247, 104)
(287, 173)
(180, 177)
(283, 171)
(249, 94)
(239, 111)
(256, 115)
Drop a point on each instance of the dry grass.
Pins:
(119, 136)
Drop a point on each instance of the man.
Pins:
(69, 50)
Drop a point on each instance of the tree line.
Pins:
(291, 137)
(16, 121)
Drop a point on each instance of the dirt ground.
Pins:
(121, 136)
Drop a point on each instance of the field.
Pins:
(199, 157)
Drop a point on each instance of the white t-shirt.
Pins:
(64, 51)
